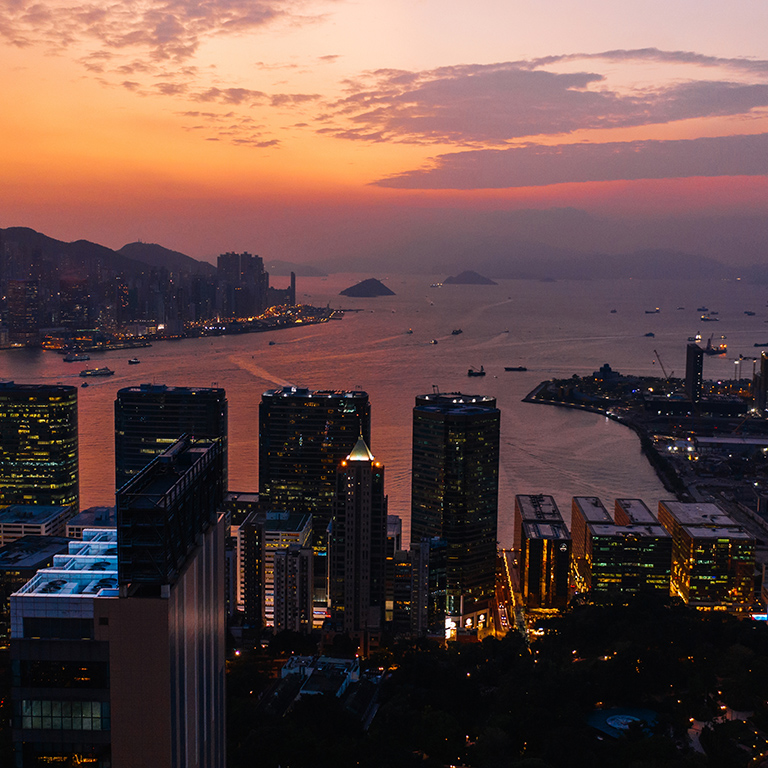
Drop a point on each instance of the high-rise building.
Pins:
(242, 285)
(713, 558)
(454, 497)
(544, 558)
(760, 384)
(151, 417)
(293, 589)
(357, 547)
(534, 508)
(694, 371)
(584, 510)
(303, 437)
(38, 444)
(24, 311)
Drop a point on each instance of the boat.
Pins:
(84, 384)
(272, 343)
(76, 357)
(651, 335)
(708, 319)
(613, 311)
(515, 368)
(475, 372)
(434, 341)
(695, 338)
(756, 344)
(749, 312)
(702, 309)
(456, 331)
(134, 361)
(409, 331)
(97, 372)
(652, 311)
(715, 349)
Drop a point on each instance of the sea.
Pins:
(553, 328)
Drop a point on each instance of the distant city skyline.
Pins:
(308, 130)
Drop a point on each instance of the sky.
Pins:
(305, 130)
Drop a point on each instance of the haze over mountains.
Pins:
(495, 257)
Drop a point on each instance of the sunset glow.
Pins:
(268, 125)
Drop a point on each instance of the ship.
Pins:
(97, 372)
(715, 349)
(134, 361)
(456, 331)
(475, 372)
(76, 357)
(515, 368)
(651, 335)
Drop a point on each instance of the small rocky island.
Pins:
(367, 289)
(468, 277)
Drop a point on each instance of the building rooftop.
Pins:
(303, 392)
(31, 552)
(455, 402)
(592, 509)
(289, 522)
(95, 516)
(731, 532)
(360, 452)
(637, 511)
(157, 389)
(538, 507)
(35, 514)
(548, 530)
(88, 569)
(655, 531)
(697, 513)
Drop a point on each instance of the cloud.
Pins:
(165, 29)
(536, 165)
(498, 103)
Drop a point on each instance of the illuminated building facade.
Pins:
(304, 436)
(357, 548)
(151, 417)
(19, 520)
(584, 510)
(38, 444)
(454, 497)
(694, 371)
(293, 589)
(713, 559)
(545, 557)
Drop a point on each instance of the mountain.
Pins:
(367, 289)
(468, 277)
(157, 256)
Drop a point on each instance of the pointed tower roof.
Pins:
(360, 452)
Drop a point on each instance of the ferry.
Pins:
(76, 357)
(97, 372)
(134, 361)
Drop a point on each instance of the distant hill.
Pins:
(468, 277)
(282, 268)
(367, 289)
(158, 256)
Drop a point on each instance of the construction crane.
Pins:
(667, 376)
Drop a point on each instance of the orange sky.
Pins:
(246, 124)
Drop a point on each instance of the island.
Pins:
(468, 277)
(367, 289)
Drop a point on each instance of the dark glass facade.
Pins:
(303, 438)
(164, 509)
(38, 445)
(454, 493)
(151, 417)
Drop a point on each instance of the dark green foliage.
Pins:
(499, 704)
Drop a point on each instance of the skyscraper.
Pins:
(303, 437)
(694, 371)
(454, 496)
(242, 285)
(150, 417)
(38, 444)
(120, 645)
(357, 549)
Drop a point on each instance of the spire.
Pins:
(360, 452)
